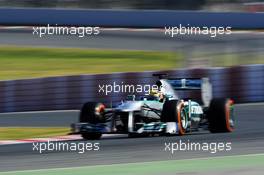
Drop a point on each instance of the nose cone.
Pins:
(130, 106)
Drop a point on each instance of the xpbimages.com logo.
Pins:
(80, 147)
(212, 31)
(212, 147)
(63, 30)
(107, 89)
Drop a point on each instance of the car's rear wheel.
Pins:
(92, 112)
(221, 115)
(173, 111)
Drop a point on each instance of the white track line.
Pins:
(32, 140)
(51, 139)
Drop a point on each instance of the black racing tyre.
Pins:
(220, 115)
(133, 135)
(173, 111)
(92, 112)
(91, 136)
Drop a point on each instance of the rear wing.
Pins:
(185, 84)
(202, 84)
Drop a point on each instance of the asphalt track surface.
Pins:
(248, 138)
(39, 119)
(140, 40)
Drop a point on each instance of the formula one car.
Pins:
(161, 112)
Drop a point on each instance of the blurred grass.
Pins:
(33, 62)
(236, 59)
(224, 59)
(28, 62)
(12, 133)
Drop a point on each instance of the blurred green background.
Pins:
(32, 62)
(28, 62)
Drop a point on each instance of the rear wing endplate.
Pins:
(202, 84)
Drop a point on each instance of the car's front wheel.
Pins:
(93, 113)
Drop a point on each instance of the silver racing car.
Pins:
(161, 112)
